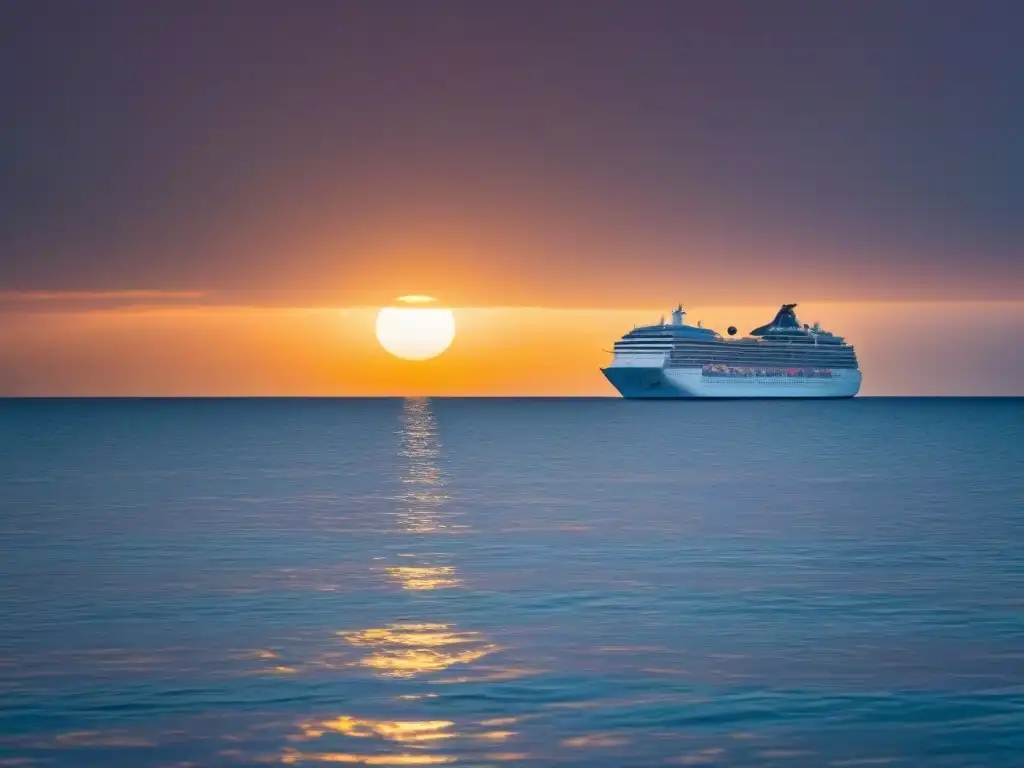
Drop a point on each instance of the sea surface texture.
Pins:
(503, 583)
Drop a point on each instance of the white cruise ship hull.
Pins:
(649, 382)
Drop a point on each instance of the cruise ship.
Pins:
(780, 359)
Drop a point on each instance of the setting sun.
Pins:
(415, 333)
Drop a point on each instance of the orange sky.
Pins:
(905, 349)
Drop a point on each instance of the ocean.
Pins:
(592, 582)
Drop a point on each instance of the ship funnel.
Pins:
(677, 315)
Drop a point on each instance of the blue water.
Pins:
(539, 583)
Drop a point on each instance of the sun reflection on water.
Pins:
(405, 731)
(293, 757)
(408, 650)
(424, 577)
(423, 498)
(416, 737)
(422, 505)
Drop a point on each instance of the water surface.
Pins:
(515, 582)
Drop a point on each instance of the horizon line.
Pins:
(497, 397)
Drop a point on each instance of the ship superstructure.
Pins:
(780, 359)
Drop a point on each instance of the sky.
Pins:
(213, 198)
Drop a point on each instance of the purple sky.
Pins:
(593, 153)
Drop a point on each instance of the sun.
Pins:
(415, 332)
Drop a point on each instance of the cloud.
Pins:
(36, 302)
(132, 295)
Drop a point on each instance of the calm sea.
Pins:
(511, 582)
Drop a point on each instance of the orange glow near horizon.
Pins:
(499, 351)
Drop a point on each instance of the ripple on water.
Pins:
(543, 583)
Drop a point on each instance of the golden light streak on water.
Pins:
(293, 757)
(405, 731)
(416, 578)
